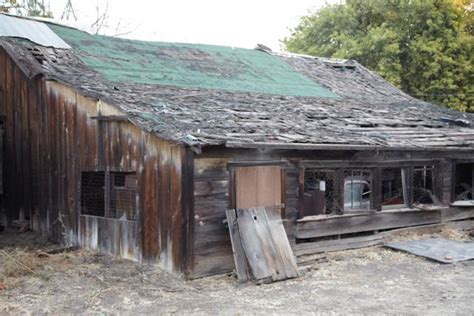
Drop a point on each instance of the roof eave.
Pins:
(300, 146)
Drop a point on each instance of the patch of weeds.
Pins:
(17, 263)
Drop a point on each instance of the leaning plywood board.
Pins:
(265, 244)
(241, 265)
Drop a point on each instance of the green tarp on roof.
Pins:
(189, 65)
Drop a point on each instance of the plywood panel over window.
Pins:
(258, 186)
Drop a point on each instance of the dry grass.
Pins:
(24, 255)
(17, 263)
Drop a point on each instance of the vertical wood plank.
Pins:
(338, 207)
(283, 188)
(407, 186)
(188, 210)
(246, 190)
(243, 274)
(301, 210)
(376, 195)
(265, 244)
(107, 193)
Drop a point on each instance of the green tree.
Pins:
(26, 8)
(425, 47)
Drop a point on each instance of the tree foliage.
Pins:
(26, 8)
(425, 47)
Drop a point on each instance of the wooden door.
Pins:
(258, 186)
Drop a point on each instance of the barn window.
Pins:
(357, 190)
(423, 186)
(93, 193)
(392, 188)
(321, 194)
(109, 194)
(464, 182)
(123, 189)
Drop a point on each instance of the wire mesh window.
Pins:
(93, 193)
(320, 194)
(123, 188)
(109, 194)
(392, 187)
(464, 182)
(357, 189)
(423, 190)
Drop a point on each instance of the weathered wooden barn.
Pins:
(137, 149)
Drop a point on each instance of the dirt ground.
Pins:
(365, 281)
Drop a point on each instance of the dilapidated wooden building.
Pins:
(137, 149)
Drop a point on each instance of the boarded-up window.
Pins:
(258, 186)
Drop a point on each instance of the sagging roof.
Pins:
(211, 95)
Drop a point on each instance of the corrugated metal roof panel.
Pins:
(34, 31)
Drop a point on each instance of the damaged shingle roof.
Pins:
(189, 65)
(210, 95)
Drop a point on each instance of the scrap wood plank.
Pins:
(265, 244)
(275, 264)
(281, 242)
(309, 248)
(241, 265)
(252, 245)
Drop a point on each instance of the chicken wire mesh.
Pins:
(115, 200)
(392, 187)
(93, 193)
(357, 189)
(423, 190)
(123, 195)
(320, 193)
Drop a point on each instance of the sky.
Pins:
(237, 23)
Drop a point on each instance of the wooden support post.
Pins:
(232, 196)
(107, 194)
(283, 192)
(407, 183)
(376, 194)
(472, 181)
(438, 182)
(301, 192)
(338, 206)
(448, 186)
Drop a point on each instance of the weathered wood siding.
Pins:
(212, 247)
(212, 190)
(50, 137)
(213, 195)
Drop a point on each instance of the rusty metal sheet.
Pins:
(35, 31)
(439, 249)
